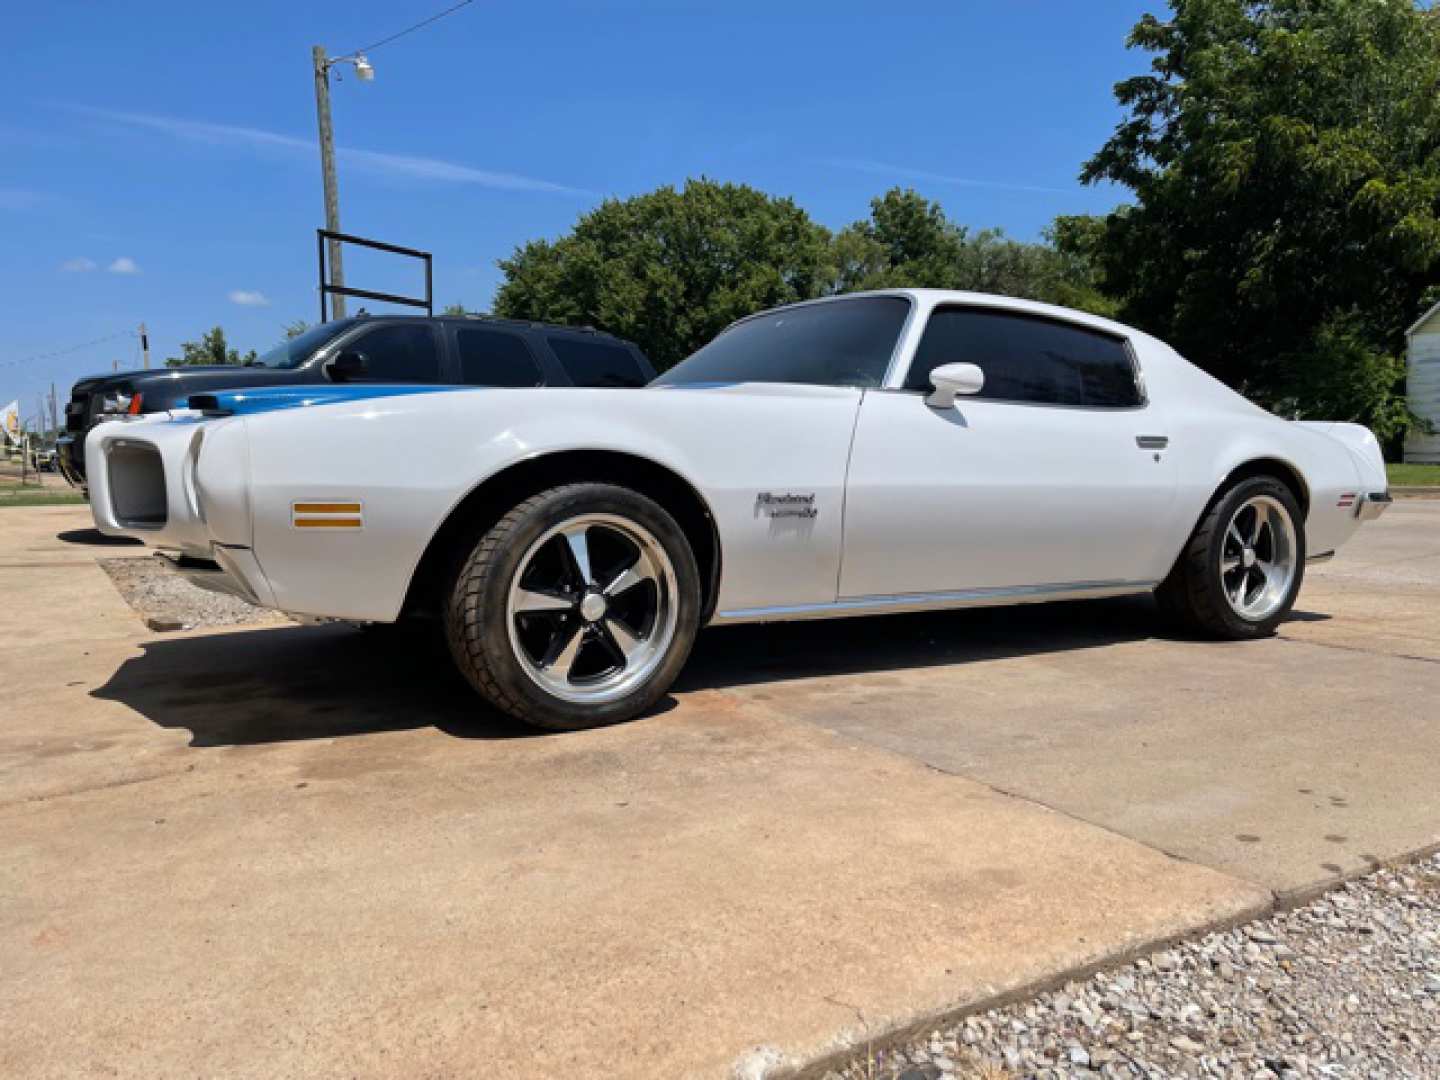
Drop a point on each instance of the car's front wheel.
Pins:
(1241, 570)
(577, 608)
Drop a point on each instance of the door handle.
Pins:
(1152, 442)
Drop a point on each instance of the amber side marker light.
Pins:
(327, 515)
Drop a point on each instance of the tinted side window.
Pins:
(1028, 358)
(402, 352)
(495, 358)
(596, 363)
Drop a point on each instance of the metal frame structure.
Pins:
(326, 289)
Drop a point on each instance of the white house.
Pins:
(1422, 385)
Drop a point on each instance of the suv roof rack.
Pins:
(532, 323)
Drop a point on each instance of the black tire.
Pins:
(476, 610)
(1194, 592)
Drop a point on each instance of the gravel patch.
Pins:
(166, 600)
(1347, 986)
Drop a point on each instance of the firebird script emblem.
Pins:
(786, 505)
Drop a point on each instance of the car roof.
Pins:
(930, 298)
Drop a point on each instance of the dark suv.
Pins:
(460, 350)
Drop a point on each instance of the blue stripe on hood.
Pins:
(270, 398)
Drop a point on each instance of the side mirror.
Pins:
(952, 379)
(348, 366)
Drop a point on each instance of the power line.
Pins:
(66, 351)
(417, 26)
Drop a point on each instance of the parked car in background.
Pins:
(458, 350)
(896, 451)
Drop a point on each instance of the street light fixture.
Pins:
(366, 73)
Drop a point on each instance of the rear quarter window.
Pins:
(596, 363)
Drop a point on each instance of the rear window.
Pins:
(596, 363)
(495, 358)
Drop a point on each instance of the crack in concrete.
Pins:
(1358, 649)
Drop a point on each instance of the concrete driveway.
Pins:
(304, 851)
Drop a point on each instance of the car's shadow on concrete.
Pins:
(281, 684)
(744, 655)
(95, 538)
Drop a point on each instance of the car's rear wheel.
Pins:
(1241, 570)
(577, 608)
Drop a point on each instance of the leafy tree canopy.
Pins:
(908, 242)
(210, 349)
(1285, 159)
(670, 269)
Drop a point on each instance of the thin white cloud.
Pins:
(375, 162)
(249, 298)
(904, 172)
(78, 265)
(19, 199)
(124, 265)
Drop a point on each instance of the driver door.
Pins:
(1054, 477)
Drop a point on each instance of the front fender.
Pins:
(405, 463)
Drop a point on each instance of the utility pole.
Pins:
(145, 346)
(327, 174)
(54, 412)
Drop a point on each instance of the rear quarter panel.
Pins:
(1214, 431)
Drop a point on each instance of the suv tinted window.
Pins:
(1028, 358)
(837, 343)
(400, 352)
(495, 358)
(596, 363)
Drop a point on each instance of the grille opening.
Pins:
(137, 485)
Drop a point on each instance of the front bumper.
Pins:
(70, 453)
(1371, 506)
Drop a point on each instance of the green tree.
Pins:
(670, 269)
(1285, 161)
(210, 349)
(909, 242)
(454, 309)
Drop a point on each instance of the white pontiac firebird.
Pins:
(879, 452)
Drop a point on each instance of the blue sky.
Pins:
(157, 160)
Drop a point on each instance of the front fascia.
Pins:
(409, 461)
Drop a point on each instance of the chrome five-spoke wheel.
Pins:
(592, 608)
(1258, 557)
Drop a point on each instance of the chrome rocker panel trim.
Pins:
(939, 601)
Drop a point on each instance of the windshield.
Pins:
(292, 352)
(837, 343)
